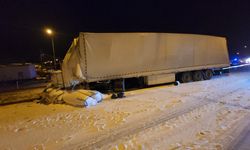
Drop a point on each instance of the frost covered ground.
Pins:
(199, 115)
(20, 95)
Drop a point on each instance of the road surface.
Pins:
(211, 114)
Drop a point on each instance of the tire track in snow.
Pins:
(112, 135)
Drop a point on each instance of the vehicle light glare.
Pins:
(248, 60)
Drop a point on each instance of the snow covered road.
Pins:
(198, 115)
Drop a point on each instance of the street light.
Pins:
(51, 33)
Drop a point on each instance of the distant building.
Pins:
(13, 72)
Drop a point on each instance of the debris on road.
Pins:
(77, 98)
(18, 96)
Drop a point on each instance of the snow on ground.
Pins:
(198, 115)
(20, 95)
(202, 128)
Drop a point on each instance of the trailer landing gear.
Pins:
(118, 89)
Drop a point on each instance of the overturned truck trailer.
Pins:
(154, 57)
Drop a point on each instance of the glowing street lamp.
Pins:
(50, 33)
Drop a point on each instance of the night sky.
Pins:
(22, 23)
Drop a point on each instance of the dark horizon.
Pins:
(23, 22)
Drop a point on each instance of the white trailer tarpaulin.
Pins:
(103, 56)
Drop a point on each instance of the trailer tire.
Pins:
(186, 77)
(207, 74)
(197, 76)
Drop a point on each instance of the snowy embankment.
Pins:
(206, 114)
(20, 96)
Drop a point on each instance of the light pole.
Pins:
(50, 33)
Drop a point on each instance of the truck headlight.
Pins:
(248, 60)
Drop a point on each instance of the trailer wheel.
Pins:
(197, 76)
(207, 74)
(186, 77)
